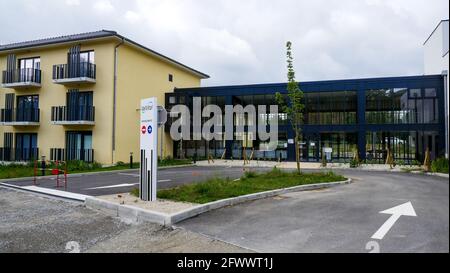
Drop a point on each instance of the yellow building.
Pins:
(78, 96)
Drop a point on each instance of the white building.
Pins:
(436, 62)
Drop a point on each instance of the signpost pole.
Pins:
(148, 149)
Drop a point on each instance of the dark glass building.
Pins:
(402, 114)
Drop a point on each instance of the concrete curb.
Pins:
(135, 214)
(444, 175)
(49, 193)
(126, 212)
(88, 173)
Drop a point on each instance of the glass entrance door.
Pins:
(27, 108)
(26, 147)
(79, 146)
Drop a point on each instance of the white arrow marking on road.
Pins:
(404, 209)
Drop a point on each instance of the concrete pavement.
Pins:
(340, 219)
(31, 223)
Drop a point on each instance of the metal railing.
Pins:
(86, 155)
(21, 75)
(20, 115)
(80, 113)
(18, 154)
(76, 70)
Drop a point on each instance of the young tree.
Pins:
(292, 104)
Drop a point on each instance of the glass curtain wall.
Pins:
(330, 107)
(405, 146)
(401, 106)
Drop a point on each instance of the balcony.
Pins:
(20, 117)
(60, 154)
(18, 154)
(21, 78)
(81, 115)
(74, 73)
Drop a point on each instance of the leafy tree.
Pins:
(292, 104)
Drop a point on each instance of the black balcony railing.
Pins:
(21, 75)
(77, 70)
(19, 115)
(18, 154)
(86, 155)
(80, 113)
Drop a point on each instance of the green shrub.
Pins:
(440, 165)
(415, 163)
(79, 165)
(120, 164)
(400, 162)
(354, 163)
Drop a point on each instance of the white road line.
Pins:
(164, 180)
(130, 174)
(123, 185)
(113, 186)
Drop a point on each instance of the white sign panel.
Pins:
(149, 145)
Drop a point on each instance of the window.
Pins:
(27, 68)
(30, 63)
(27, 108)
(170, 78)
(26, 146)
(415, 93)
(330, 107)
(79, 146)
(430, 92)
(401, 106)
(87, 57)
(80, 105)
(172, 99)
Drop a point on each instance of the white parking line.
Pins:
(124, 185)
(164, 180)
(130, 174)
(113, 186)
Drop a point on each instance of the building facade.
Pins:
(368, 116)
(77, 97)
(436, 49)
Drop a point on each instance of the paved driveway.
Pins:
(340, 219)
(123, 181)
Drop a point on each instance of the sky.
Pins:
(243, 41)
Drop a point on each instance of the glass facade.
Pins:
(405, 146)
(402, 106)
(369, 116)
(330, 107)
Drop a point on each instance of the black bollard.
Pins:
(131, 160)
(43, 165)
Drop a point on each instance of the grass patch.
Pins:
(15, 170)
(219, 188)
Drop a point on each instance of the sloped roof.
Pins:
(90, 36)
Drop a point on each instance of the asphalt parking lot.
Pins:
(339, 219)
(123, 181)
(31, 223)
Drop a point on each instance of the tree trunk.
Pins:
(297, 152)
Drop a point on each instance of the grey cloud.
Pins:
(240, 42)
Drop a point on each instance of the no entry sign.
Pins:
(149, 145)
